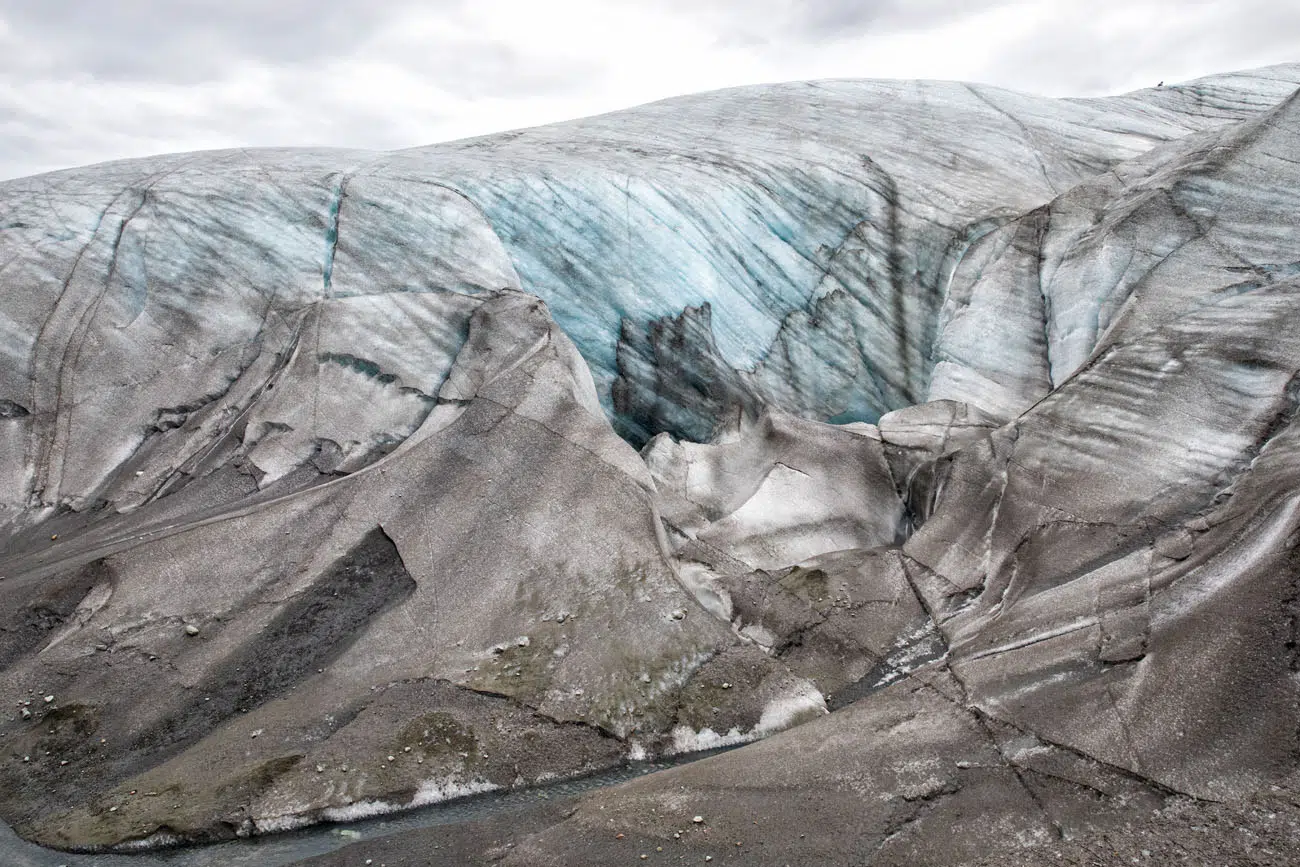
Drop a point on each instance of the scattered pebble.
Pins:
(678, 614)
(726, 686)
(699, 820)
(191, 629)
(256, 733)
(25, 713)
(523, 641)
(48, 699)
(645, 678)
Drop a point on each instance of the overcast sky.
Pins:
(88, 80)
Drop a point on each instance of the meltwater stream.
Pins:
(913, 651)
(275, 850)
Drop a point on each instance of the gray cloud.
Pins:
(807, 22)
(84, 81)
(187, 41)
(1081, 55)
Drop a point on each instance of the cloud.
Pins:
(190, 41)
(1112, 47)
(82, 82)
(803, 22)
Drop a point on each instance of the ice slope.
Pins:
(818, 222)
(313, 504)
(1113, 571)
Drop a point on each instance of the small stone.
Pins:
(406, 749)
(618, 836)
(390, 758)
(112, 809)
(48, 699)
(320, 769)
(643, 857)
(191, 629)
(523, 641)
(27, 758)
(63, 763)
(699, 820)
(678, 614)
(26, 714)
(726, 686)
(256, 733)
(54, 536)
(708, 857)
(645, 678)
(963, 764)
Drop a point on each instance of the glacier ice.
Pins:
(967, 415)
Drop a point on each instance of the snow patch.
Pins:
(280, 824)
(358, 811)
(159, 840)
(785, 711)
(781, 713)
(688, 740)
(437, 791)
(431, 791)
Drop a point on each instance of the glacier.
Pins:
(937, 437)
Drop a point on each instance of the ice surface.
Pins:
(1014, 375)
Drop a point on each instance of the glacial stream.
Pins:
(275, 850)
(920, 648)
